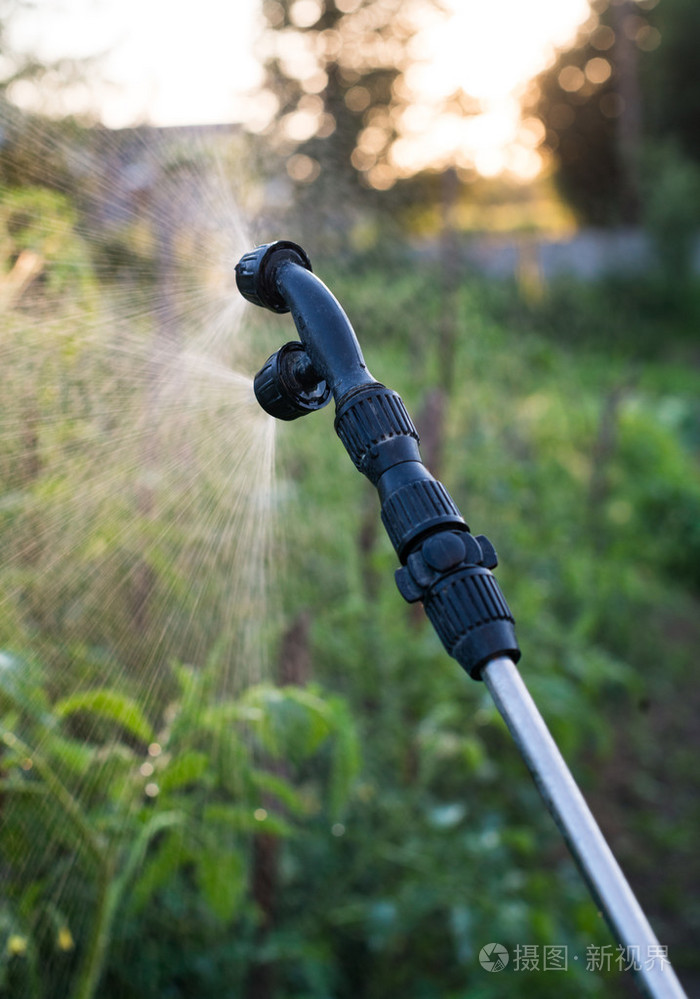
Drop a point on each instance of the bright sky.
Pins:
(170, 62)
(178, 62)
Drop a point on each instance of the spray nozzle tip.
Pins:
(256, 270)
(287, 386)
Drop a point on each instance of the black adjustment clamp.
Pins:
(450, 574)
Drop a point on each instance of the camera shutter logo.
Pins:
(493, 957)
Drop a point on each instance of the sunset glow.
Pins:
(489, 51)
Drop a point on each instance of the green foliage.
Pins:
(118, 833)
(146, 771)
(111, 706)
(672, 212)
(41, 224)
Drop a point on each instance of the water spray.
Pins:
(443, 565)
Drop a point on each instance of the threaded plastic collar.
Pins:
(256, 272)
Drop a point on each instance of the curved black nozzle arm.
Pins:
(324, 330)
(278, 276)
(443, 564)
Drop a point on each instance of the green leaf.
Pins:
(222, 715)
(158, 823)
(346, 755)
(241, 818)
(159, 867)
(294, 721)
(319, 715)
(74, 756)
(112, 775)
(111, 706)
(183, 770)
(221, 874)
(281, 789)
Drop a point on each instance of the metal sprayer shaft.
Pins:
(580, 830)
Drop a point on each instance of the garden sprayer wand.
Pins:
(442, 564)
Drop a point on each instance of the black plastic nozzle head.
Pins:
(255, 272)
(287, 386)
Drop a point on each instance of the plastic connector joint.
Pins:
(445, 567)
(450, 574)
(382, 441)
(376, 430)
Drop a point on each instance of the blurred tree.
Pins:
(630, 78)
(671, 76)
(337, 71)
(579, 100)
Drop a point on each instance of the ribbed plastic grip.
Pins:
(416, 509)
(368, 421)
(472, 618)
